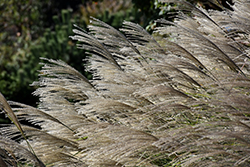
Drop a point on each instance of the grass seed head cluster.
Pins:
(179, 97)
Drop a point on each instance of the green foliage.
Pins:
(116, 19)
(56, 44)
(112, 12)
(20, 23)
(153, 10)
(24, 38)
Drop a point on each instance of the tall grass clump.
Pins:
(179, 97)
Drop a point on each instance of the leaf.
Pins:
(5, 107)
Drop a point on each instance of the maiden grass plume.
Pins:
(179, 97)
